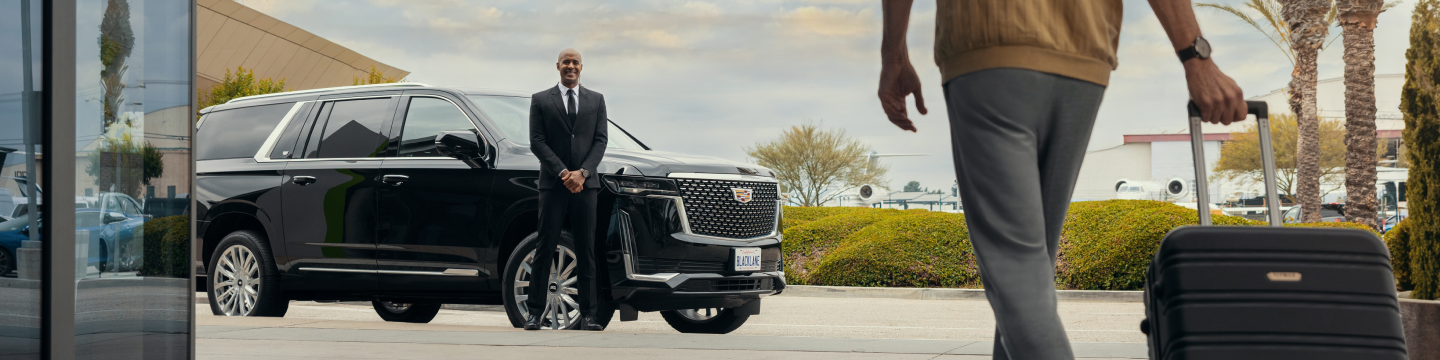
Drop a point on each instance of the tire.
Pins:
(105, 261)
(419, 313)
(704, 321)
(128, 259)
(7, 262)
(262, 279)
(516, 310)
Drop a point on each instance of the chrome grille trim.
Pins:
(710, 209)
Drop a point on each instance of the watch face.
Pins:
(1202, 47)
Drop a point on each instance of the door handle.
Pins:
(394, 180)
(303, 180)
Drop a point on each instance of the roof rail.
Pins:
(287, 93)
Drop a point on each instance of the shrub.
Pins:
(1106, 245)
(807, 243)
(917, 249)
(796, 215)
(1398, 241)
(167, 246)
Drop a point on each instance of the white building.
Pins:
(1159, 157)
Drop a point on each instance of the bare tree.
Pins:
(1357, 19)
(817, 166)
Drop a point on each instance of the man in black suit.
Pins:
(568, 133)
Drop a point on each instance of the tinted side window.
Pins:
(426, 118)
(352, 129)
(237, 133)
(285, 145)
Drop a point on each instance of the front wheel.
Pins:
(562, 305)
(406, 312)
(704, 321)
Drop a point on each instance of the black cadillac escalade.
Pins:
(412, 196)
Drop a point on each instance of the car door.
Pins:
(434, 229)
(328, 196)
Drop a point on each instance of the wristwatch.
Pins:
(1200, 49)
(584, 173)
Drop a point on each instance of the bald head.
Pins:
(569, 65)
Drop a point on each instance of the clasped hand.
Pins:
(573, 181)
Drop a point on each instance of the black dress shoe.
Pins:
(590, 325)
(534, 321)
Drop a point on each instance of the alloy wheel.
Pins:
(5, 261)
(700, 314)
(127, 257)
(561, 309)
(237, 281)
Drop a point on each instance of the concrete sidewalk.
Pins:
(284, 338)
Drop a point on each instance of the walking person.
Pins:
(568, 127)
(1023, 80)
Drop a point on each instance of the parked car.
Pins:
(1328, 213)
(111, 230)
(412, 196)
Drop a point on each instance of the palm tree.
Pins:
(1357, 19)
(1301, 44)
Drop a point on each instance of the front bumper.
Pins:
(654, 264)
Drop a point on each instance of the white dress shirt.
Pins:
(566, 98)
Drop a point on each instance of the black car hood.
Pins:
(662, 163)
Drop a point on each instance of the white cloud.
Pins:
(830, 21)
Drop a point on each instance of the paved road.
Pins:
(789, 328)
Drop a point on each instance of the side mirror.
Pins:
(463, 145)
(114, 217)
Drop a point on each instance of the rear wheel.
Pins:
(704, 321)
(406, 312)
(243, 279)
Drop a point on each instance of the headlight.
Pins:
(635, 185)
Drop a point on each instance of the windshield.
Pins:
(512, 115)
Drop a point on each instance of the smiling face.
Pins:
(569, 66)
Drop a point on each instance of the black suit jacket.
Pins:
(561, 145)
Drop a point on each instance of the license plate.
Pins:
(747, 259)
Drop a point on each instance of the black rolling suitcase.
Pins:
(1239, 293)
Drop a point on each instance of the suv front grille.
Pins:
(712, 209)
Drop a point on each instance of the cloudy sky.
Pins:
(714, 77)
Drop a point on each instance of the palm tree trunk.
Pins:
(1357, 18)
(1308, 29)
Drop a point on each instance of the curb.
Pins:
(949, 294)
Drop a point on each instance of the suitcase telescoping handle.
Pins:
(1267, 159)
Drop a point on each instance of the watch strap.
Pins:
(1188, 53)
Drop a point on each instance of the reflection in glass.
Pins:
(132, 127)
(20, 151)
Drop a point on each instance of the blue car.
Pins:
(111, 229)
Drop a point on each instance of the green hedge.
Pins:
(805, 244)
(920, 249)
(1398, 241)
(167, 246)
(796, 215)
(1106, 245)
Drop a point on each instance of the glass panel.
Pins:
(426, 118)
(353, 129)
(132, 125)
(20, 153)
(238, 133)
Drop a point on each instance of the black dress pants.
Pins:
(556, 205)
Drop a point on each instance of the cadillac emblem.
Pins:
(742, 195)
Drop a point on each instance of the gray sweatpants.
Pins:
(1019, 137)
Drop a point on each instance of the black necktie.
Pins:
(570, 105)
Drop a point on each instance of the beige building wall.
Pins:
(229, 35)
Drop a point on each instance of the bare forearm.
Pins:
(896, 14)
(1178, 19)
